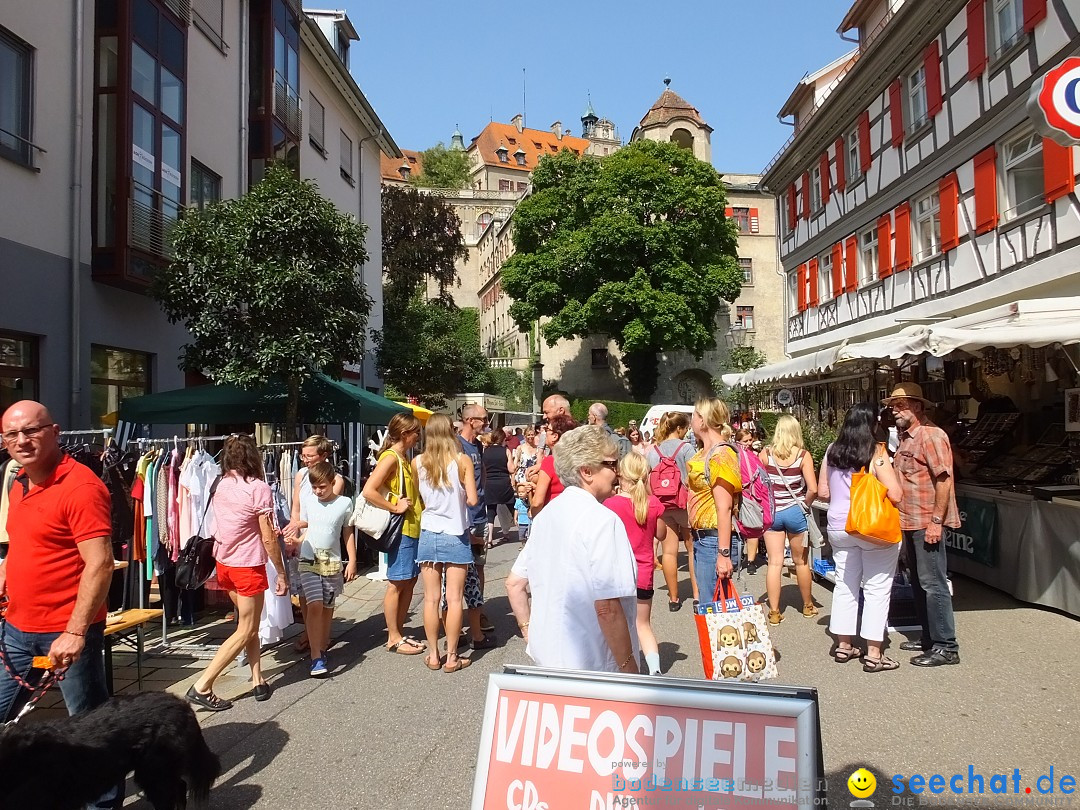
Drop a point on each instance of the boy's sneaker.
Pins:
(318, 668)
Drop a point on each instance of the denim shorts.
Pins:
(437, 547)
(401, 562)
(791, 520)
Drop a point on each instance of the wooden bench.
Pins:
(123, 627)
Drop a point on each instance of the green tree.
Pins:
(267, 285)
(635, 247)
(443, 168)
(421, 241)
(743, 358)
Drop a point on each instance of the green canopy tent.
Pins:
(321, 400)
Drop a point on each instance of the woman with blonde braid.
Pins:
(384, 489)
(640, 513)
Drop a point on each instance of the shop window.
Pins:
(744, 316)
(599, 358)
(824, 277)
(815, 189)
(1023, 164)
(916, 98)
(1006, 25)
(347, 158)
(18, 368)
(741, 217)
(868, 256)
(852, 163)
(747, 267)
(115, 375)
(15, 99)
(317, 124)
(205, 186)
(927, 226)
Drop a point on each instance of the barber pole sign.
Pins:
(1054, 103)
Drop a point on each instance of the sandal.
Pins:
(809, 610)
(460, 664)
(674, 607)
(842, 656)
(437, 667)
(209, 701)
(883, 664)
(414, 647)
(302, 645)
(775, 617)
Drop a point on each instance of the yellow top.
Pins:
(700, 506)
(411, 526)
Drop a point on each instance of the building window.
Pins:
(15, 90)
(1006, 25)
(793, 291)
(927, 226)
(18, 368)
(346, 158)
(815, 188)
(286, 66)
(868, 256)
(1023, 175)
(115, 375)
(209, 17)
(520, 158)
(205, 186)
(741, 217)
(852, 163)
(522, 186)
(482, 222)
(342, 46)
(504, 154)
(747, 267)
(916, 97)
(824, 277)
(317, 124)
(506, 185)
(600, 358)
(744, 317)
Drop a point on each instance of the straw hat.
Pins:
(908, 390)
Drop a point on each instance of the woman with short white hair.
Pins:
(579, 567)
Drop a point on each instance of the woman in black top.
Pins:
(498, 485)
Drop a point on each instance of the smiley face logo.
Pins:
(862, 783)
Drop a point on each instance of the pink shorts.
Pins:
(245, 581)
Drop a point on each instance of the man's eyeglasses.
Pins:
(611, 465)
(481, 419)
(29, 432)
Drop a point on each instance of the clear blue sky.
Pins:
(428, 66)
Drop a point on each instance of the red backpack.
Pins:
(665, 480)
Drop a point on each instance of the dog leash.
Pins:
(37, 692)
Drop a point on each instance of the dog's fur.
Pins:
(67, 763)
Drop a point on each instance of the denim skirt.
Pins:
(436, 547)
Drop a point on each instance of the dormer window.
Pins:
(519, 156)
(503, 153)
(342, 44)
(405, 171)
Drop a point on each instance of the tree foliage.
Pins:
(743, 358)
(267, 285)
(421, 241)
(635, 246)
(443, 168)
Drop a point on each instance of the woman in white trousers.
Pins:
(861, 565)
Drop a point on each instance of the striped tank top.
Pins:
(791, 475)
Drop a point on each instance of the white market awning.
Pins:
(795, 368)
(909, 340)
(1035, 323)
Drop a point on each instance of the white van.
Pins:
(656, 412)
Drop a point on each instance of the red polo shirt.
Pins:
(45, 525)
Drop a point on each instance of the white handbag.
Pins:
(373, 520)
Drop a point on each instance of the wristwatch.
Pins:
(936, 519)
(725, 552)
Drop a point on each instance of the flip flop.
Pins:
(415, 647)
(462, 663)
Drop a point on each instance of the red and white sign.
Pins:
(1054, 103)
(559, 743)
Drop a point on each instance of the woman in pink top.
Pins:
(244, 535)
(640, 513)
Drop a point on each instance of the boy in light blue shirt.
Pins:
(521, 506)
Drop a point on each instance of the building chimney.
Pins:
(557, 129)
(518, 122)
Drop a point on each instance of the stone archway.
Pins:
(692, 385)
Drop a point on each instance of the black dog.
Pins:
(64, 764)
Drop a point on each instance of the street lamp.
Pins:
(736, 335)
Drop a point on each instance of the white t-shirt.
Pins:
(577, 553)
(325, 521)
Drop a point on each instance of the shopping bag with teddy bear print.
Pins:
(734, 637)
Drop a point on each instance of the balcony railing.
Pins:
(150, 225)
(287, 104)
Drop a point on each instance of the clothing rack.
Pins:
(293, 444)
(99, 432)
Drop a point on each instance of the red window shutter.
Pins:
(729, 212)
(806, 195)
(903, 238)
(802, 287)
(896, 113)
(812, 269)
(826, 181)
(884, 246)
(754, 226)
(976, 38)
(1034, 13)
(986, 213)
(792, 210)
(949, 197)
(865, 158)
(837, 270)
(841, 168)
(932, 65)
(1059, 176)
(852, 264)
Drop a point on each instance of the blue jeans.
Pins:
(83, 686)
(706, 551)
(928, 570)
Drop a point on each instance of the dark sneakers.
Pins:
(936, 658)
(913, 646)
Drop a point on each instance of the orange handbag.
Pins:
(872, 515)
